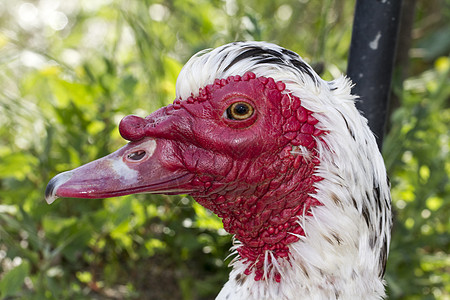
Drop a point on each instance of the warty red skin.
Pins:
(244, 170)
(257, 174)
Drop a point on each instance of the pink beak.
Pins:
(137, 167)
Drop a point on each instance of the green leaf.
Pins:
(17, 165)
(12, 282)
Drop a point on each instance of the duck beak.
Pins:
(138, 167)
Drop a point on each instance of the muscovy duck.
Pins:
(282, 156)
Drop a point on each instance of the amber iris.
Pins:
(239, 111)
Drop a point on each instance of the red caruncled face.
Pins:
(245, 148)
(240, 138)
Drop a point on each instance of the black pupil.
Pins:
(241, 109)
(137, 155)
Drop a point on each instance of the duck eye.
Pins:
(239, 111)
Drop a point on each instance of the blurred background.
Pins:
(70, 70)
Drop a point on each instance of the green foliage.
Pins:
(70, 70)
(11, 283)
(417, 158)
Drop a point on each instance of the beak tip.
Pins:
(53, 185)
(50, 199)
(50, 196)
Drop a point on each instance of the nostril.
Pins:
(137, 155)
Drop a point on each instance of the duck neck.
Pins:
(265, 218)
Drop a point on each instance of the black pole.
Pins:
(371, 58)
